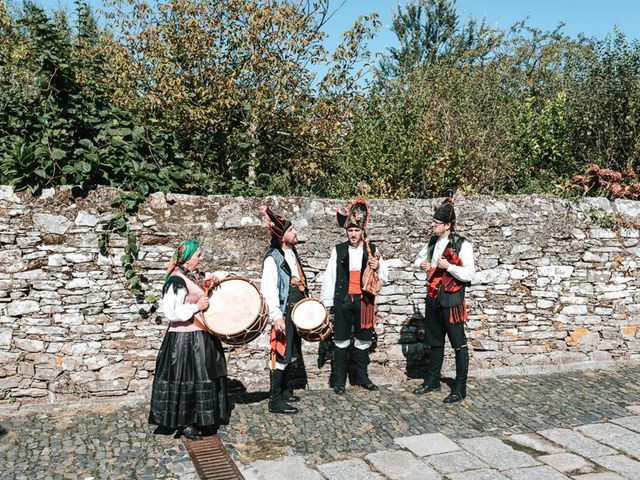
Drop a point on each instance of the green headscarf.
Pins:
(184, 252)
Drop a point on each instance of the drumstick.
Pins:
(209, 284)
(206, 287)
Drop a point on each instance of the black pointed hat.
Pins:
(446, 213)
(276, 224)
(356, 214)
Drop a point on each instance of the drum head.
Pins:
(308, 314)
(233, 307)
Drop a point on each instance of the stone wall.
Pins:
(558, 285)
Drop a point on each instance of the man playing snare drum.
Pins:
(283, 285)
(353, 306)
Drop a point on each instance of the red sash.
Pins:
(278, 341)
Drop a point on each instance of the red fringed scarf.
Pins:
(439, 279)
(278, 342)
(367, 310)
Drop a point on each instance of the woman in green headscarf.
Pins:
(189, 389)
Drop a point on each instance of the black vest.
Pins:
(342, 268)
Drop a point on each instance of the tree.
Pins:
(59, 126)
(604, 102)
(431, 32)
(232, 78)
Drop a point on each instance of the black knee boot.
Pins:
(287, 391)
(340, 357)
(432, 382)
(276, 402)
(459, 390)
(325, 351)
(361, 358)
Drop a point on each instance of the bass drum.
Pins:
(312, 320)
(237, 313)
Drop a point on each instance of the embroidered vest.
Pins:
(446, 299)
(194, 293)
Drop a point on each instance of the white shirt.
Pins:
(174, 307)
(464, 273)
(269, 282)
(173, 304)
(355, 265)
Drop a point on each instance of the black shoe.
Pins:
(191, 432)
(283, 407)
(339, 390)
(2, 431)
(160, 430)
(372, 387)
(453, 397)
(209, 430)
(426, 388)
(288, 396)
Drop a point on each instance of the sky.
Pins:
(593, 18)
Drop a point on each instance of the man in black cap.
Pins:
(283, 285)
(448, 260)
(353, 306)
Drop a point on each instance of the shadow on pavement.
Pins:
(412, 343)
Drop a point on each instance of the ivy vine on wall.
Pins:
(126, 205)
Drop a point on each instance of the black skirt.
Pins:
(190, 382)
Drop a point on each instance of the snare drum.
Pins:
(311, 319)
(237, 313)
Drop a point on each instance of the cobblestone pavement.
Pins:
(102, 441)
(582, 425)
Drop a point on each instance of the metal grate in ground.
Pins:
(211, 459)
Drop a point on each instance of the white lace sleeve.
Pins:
(174, 307)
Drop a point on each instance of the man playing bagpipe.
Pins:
(348, 286)
(448, 260)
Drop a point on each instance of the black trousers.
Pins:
(437, 325)
(347, 320)
(292, 351)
